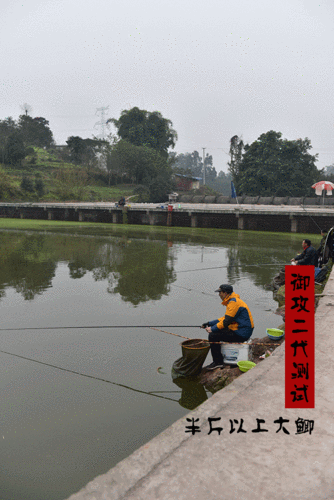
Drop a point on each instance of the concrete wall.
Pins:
(242, 217)
(258, 200)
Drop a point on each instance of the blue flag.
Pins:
(234, 194)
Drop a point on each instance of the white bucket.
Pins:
(232, 353)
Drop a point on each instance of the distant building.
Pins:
(186, 182)
(172, 197)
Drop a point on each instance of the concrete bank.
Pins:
(240, 465)
(283, 218)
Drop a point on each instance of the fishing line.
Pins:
(87, 376)
(232, 265)
(193, 290)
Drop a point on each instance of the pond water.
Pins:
(75, 401)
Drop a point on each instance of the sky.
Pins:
(215, 69)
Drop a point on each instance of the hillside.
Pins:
(49, 177)
(45, 175)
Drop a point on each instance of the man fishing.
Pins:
(236, 326)
(308, 257)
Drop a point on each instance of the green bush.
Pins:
(27, 184)
(8, 190)
(143, 193)
(72, 183)
(39, 185)
(160, 187)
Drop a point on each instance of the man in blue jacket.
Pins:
(308, 257)
(236, 326)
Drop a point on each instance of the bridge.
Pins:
(255, 217)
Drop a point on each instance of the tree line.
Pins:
(273, 166)
(139, 153)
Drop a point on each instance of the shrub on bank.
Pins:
(8, 189)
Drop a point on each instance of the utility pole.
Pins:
(204, 166)
(102, 123)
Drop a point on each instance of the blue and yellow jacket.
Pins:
(238, 317)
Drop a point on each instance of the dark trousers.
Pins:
(224, 335)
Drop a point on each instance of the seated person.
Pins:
(121, 202)
(308, 257)
(320, 250)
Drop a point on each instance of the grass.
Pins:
(206, 235)
(112, 193)
(63, 181)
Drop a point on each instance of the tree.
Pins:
(83, 151)
(221, 183)
(329, 171)
(188, 164)
(139, 163)
(236, 150)
(14, 150)
(191, 164)
(160, 187)
(7, 127)
(143, 128)
(275, 166)
(210, 171)
(35, 131)
(109, 162)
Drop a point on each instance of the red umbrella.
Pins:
(322, 186)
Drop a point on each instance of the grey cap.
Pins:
(225, 288)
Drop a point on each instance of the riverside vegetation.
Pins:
(137, 160)
(45, 176)
(133, 162)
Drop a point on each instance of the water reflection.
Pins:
(26, 264)
(77, 401)
(193, 393)
(143, 272)
(137, 270)
(259, 259)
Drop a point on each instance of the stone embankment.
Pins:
(260, 349)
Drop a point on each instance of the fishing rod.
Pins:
(157, 328)
(99, 326)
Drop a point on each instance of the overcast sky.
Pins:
(215, 68)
